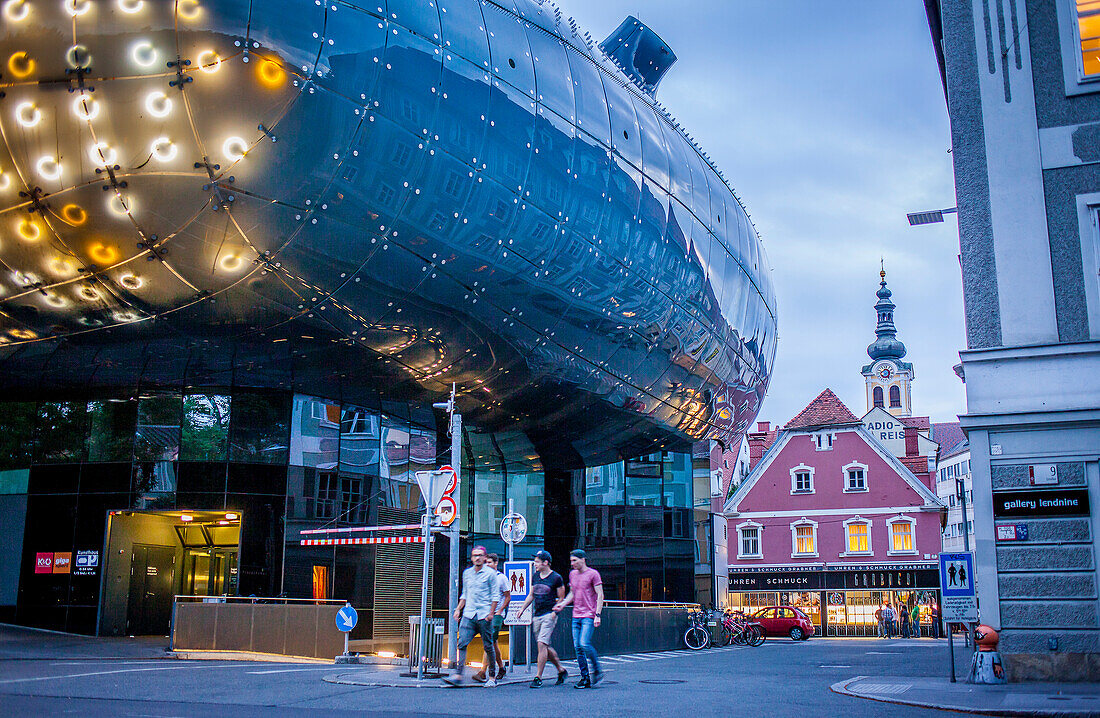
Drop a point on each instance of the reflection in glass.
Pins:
(643, 481)
(258, 431)
(205, 427)
(678, 479)
(359, 440)
(16, 435)
(395, 449)
(158, 428)
(605, 485)
(526, 491)
(60, 431)
(314, 433)
(154, 484)
(111, 427)
(488, 488)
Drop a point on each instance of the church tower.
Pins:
(889, 379)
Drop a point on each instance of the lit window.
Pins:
(901, 536)
(1088, 34)
(804, 538)
(859, 537)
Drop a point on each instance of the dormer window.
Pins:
(823, 441)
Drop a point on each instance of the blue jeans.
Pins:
(467, 629)
(582, 644)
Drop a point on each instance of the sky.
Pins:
(829, 121)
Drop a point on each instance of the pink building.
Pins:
(829, 517)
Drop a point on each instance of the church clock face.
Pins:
(884, 371)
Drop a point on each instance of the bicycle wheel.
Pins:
(756, 636)
(725, 635)
(696, 638)
(740, 635)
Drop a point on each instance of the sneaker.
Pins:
(491, 682)
(454, 680)
(562, 675)
(537, 683)
(501, 672)
(582, 683)
(597, 677)
(479, 677)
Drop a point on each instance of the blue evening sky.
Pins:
(829, 121)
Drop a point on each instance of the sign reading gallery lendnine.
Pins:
(1033, 502)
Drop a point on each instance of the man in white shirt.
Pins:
(493, 562)
(476, 608)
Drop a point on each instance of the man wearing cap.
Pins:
(586, 595)
(475, 611)
(547, 588)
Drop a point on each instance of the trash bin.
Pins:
(714, 628)
(434, 647)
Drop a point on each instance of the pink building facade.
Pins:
(831, 521)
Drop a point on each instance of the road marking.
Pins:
(834, 666)
(882, 653)
(294, 670)
(106, 673)
(882, 688)
(108, 661)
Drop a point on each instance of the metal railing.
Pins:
(654, 604)
(259, 600)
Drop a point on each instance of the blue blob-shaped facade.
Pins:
(378, 198)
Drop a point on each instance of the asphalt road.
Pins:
(780, 678)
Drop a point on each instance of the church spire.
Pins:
(886, 345)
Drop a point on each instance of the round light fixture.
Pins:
(74, 214)
(20, 65)
(103, 154)
(22, 333)
(85, 108)
(48, 167)
(88, 294)
(55, 300)
(29, 230)
(76, 8)
(143, 53)
(16, 10)
(234, 148)
(122, 206)
(158, 104)
(62, 267)
(231, 262)
(188, 9)
(131, 6)
(130, 281)
(27, 114)
(5, 181)
(164, 150)
(102, 254)
(78, 57)
(209, 61)
(125, 315)
(270, 73)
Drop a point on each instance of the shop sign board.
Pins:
(43, 562)
(1027, 503)
(958, 599)
(62, 562)
(86, 564)
(518, 577)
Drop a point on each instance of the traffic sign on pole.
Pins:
(513, 528)
(517, 575)
(447, 511)
(346, 618)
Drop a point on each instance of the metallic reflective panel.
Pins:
(346, 199)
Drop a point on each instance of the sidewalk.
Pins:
(1013, 699)
(23, 643)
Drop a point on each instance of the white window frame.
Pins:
(759, 540)
(901, 519)
(857, 519)
(866, 478)
(1088, 221)
(823, 441)
(794, 538)
(1070, 44)
(802, 468)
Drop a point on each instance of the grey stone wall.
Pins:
(1047, 585)
(1015, 476)
(1043, 558)
(1047, 614)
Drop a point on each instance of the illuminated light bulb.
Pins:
(209, 61)
(55, 301)
(27, 114)
(131, 281)
(186, 517)
(164, 150)
(88, 294)
(20, 65)
(102, 254)
(85, 108)
(143, 53)
(76, 8)
(125, 316)
(62, 267)
(131, 6)
(234, 148)
(122, 206)
(158, 104)
(48, 167)
(232, 516)
(29, 230)
(270, 73)
(102, 154)
(17, 10)
(78, 57)
(5, 181)
(74, 214)
(22, 333)
(188, 9)
(231, 262)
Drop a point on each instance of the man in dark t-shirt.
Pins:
(547, 588)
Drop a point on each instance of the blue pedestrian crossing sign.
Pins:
(959, 599)
(346, 618)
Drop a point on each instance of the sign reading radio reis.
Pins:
(447, 509)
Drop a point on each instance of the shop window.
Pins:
(748, 540)
(855, 477)
(876, 393)
(895, 397)
(902, 540)
(803, 538)
(858, 536)
(802, 479)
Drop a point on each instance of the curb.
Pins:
(186, 655)
(841, 688)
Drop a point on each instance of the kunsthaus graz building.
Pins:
(245, 246)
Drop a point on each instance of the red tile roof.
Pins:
(825, 410)
(921, 422)
(949, 435)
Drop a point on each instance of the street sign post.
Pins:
(518, 576)
(513, 528)
(346, 618)
(958, 599)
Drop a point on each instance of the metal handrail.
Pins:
(652, 604)
(261, 599)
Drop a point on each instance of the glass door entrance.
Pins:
(209, 571)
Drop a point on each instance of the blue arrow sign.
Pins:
(346, 618)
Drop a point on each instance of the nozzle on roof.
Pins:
(640, 53)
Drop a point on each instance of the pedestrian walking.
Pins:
(936, 620)
(903, 611)
(547, 588)
(586, 595)
(493, 562)
(476, 607)
(881, 620)
(888, 616)
(915, 628)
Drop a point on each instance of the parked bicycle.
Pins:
(740, 630)
(696, 637)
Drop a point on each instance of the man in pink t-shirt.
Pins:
(586, 595)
